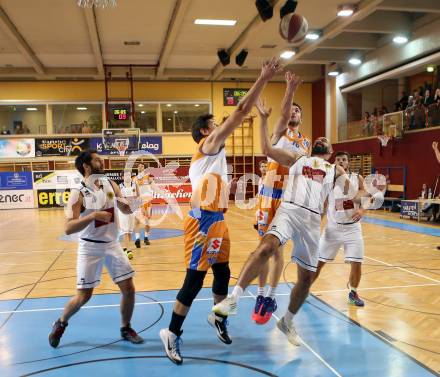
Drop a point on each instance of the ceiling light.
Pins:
(141, 105)
(430, 69)
(333, 73)
(31, 109)
(142, 112)
(132, 43)
(176, 112)
(169, 119)
(313, 35)
(287, 54)
(196, 105)
(346, 10)
(169, 105)
(81, 108)
(400, 39)
(355, 61)
(202, 21)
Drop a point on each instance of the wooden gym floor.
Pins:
(400, 282)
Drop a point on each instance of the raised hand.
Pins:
(262, 109)
(435, 145)
(292, 80)
(270, 69)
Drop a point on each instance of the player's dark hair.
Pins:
(342, 153)
(298, 106)
(84, 158)
(200, 123)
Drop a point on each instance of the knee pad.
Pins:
(222, 274)
(191, 286)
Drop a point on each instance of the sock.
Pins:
(147, 234)
(237, 292)
(288, 317)
(137, 235)
(260, 291)
(352, 288)
(222, 317)
(176, 323)
(271, 292)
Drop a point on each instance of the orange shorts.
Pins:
(206, 239)
(267, 207)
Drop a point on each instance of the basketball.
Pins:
(293, 27)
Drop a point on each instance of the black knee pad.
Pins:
(191, 286)
(222, 274)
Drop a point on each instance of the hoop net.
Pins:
(383, 140)
(121, 145)
(96, 3)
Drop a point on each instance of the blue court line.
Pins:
(403, 226)
(90, 345)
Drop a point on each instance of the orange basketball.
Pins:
(293, 27)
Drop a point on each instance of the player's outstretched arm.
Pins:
(293, 82)
(286, 158)
(217, 138)
(436, 151)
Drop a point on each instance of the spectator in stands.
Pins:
(403, 101)
(5, 131)
(368, 125)
(427, 100)
(421, 91)
(19, 129)
(437, 96)
(26, 129)
(86, 129)
(384, 110)
(437, 155)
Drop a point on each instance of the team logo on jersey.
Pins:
(327, 165)
(214, 246)
(200, 238)
(316, 164)
(110, 195)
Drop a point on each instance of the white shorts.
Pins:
(348, 236)
(92, 256)
(302, 226)
(126, 222)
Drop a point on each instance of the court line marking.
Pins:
(204, 299)
(317, 355)
(376, 260)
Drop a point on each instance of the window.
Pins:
(179, 117)
(146, 117)
(77, 118)
(22, 119)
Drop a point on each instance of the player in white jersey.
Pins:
(298, 218)
(263, 168)
(91, 213)
(344, 229)
(129, 190)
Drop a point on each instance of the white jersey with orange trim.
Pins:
(310, 181)
(128, 191)
(102, 199)
(209, 180)
(340, 206)
(276, 173)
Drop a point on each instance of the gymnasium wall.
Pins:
(160, 91)
(414, 151)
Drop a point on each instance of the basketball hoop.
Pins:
(96, 3)
(121, 145)
(383, 140)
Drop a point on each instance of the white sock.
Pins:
(352, 288)
(260, 291)
(147, 234)
(138, 235)
(271, 292)
(288, 317)
(237, 292)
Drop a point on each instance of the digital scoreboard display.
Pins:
(120, 114)
(232, 96)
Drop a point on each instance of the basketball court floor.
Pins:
(396, 334)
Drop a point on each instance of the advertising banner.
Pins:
(16, 180)
(51, 198)
(151, 144)
(60, 179)
(409, 208)
(17, 148)
(12, 199)
(65, 146)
